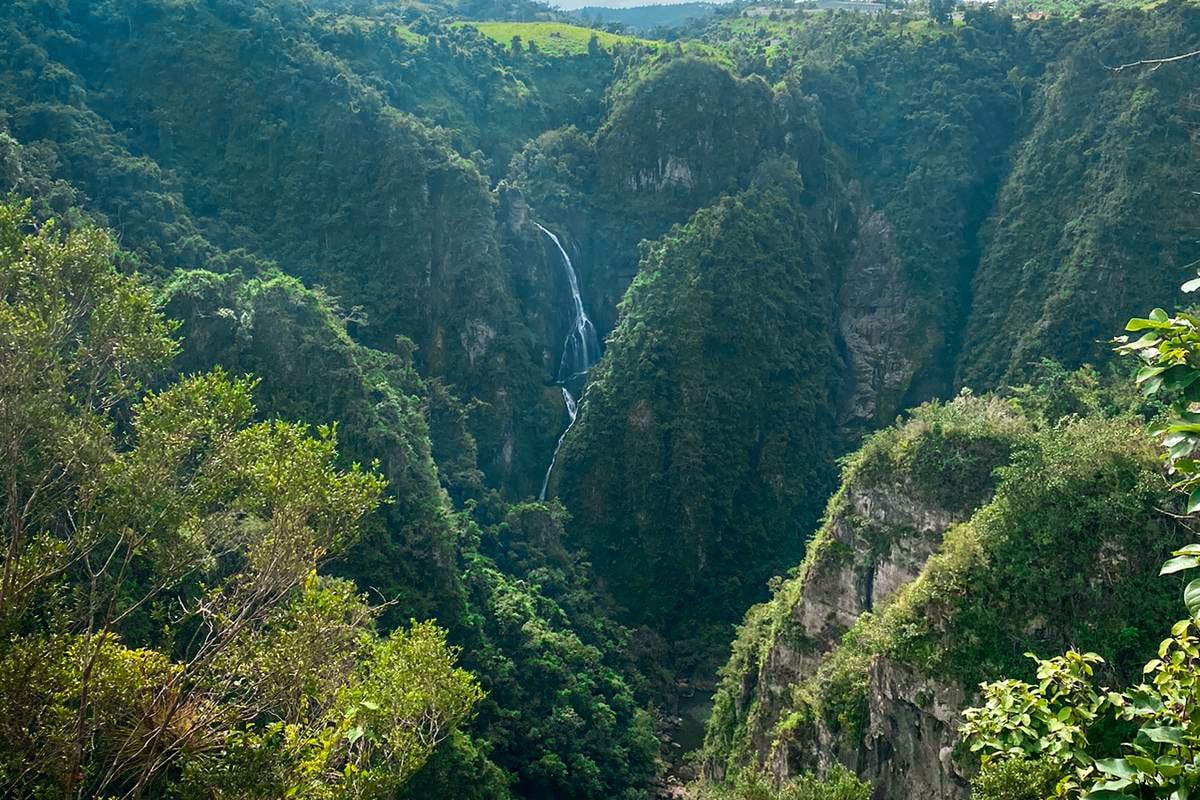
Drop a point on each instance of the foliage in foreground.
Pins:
(164, 626)
(1054, 721)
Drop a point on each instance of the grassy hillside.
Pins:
(554, 38)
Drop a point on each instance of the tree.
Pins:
(164, 624)
(940, 10)
(839, 784)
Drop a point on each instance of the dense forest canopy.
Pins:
(461, 399)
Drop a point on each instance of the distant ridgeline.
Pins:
(783, 231)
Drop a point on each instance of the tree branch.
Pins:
(1153, 62)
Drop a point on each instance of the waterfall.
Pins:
(572, 413)
(580, 352)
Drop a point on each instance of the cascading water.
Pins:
(580, 352)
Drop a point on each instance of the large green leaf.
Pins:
(1146, 373)
(1191, 597)
(1138, 324)
(1116, 766)
(1179, 564)
(1144, 765)
(1165, 734)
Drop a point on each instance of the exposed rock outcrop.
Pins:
(1019, 574)
(875, 321)
(877, 538)
(906, 747)
(880, 530)
(911, 733)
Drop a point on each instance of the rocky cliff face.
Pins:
(912, 723)
(876, 540)
(906, 749)
(880, 530)
(525, 444)
(879, 327)
(843, 667)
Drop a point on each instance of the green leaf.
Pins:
(1184, 427)
(1191, 597)
(1158, 315)
(1193, 504)
(369, 705)
(1144, 765)
(355, 734)
(1166, 734)
(1173, 439)
(1146, 702)
(1116, 766)
(1179, 564)
(1148, 340)
(1146, 373)
(1111, 786)
(1180, 376)
(1182, 448)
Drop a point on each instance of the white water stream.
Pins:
(580, 352)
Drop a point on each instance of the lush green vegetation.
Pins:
(336, 157)
(943, 458)
(515, 600)
(1065, 241)
(164, 627)
(723, 436)
(342, 340)
(1023, 729)
(1020, 575)
(841, 784)
(1098, 483)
